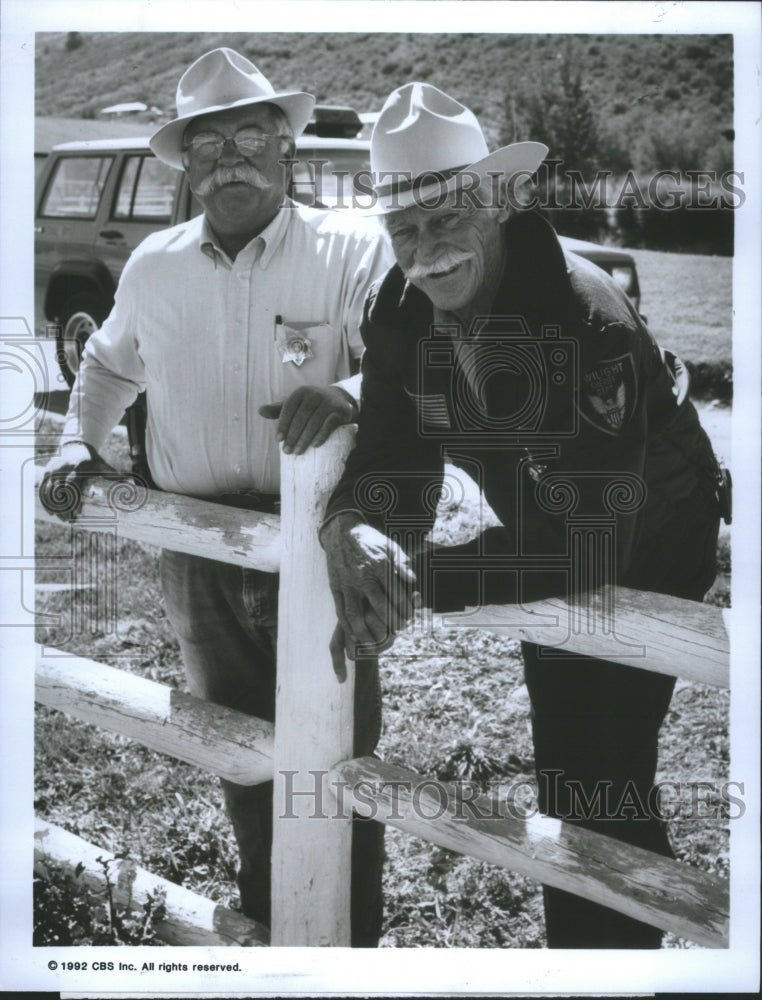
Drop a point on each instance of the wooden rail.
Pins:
(234, 746)
(190, 919)
(643, 885)
(653, 631)
(311, 860)
(184, 524)
(638, 883)
(646, 886)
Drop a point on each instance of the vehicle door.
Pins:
(66, 212)
(143, 201)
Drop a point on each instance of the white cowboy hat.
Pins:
(219, 80)
(425, 143)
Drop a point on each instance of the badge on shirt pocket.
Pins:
(295, 342)
(304, 353)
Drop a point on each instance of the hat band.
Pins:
(403, 183)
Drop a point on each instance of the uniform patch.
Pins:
(609, 393)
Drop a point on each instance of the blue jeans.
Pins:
(225, 618)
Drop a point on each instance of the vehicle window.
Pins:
(329, 175)
(126, 187)
(146, 189)
(76, 188)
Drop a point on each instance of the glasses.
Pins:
(248, 142)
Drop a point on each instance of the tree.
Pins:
(559, 113)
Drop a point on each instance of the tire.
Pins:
(81, 315)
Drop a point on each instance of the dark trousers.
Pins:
(595, 729)
(225, 618)
(595, 724)
(598, 723)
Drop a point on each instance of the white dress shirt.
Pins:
(211, 340)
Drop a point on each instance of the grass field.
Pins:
(454, 706)
(687, 300)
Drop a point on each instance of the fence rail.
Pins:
(227, 743)
(170, 521)
(666, 635)
(641, 884)
(672, 636)
(189, 919)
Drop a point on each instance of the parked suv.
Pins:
(98, 199)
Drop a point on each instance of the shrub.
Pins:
(66, 913)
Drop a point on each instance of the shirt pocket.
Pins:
(306, 353)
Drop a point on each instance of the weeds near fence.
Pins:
(68, 912)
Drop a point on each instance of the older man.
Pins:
(220, 319)
(532, 370)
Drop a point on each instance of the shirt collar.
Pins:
(261, 248)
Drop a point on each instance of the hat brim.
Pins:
(519, 158)
(167, 142)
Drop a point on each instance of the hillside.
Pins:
(647, 90)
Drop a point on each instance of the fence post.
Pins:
(313, 717)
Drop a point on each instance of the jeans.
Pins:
(225, 618)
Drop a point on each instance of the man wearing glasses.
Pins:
(220, 319)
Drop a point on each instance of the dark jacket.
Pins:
(561, 406)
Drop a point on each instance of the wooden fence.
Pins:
(313, 738)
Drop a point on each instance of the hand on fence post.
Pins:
(310, 415)
(372, 582)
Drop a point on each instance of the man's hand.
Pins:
(309, 415)
(65, 476)
(372, 582)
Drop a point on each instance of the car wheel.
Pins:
(81, 315)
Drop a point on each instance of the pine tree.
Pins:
(560, 113)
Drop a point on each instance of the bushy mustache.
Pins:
(242, 173)
(448, 260)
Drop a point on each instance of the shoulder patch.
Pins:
(609, 393)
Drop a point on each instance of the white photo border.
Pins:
(283, 972)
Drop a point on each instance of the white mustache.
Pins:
(448, 260)
(242, 173)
